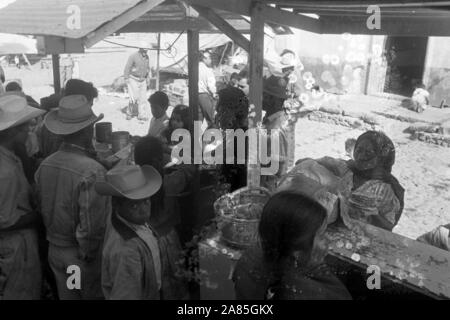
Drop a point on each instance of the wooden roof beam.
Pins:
(237, 6)
(392, 26)
(224, 26)
(281, 17)
(166, 26)
(120, 22)
(359, 4)
(290, 19)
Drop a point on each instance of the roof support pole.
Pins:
(56, 73)
(256, 58)
(193, 60)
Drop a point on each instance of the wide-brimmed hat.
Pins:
(14, 111)
(73, 114)
(132, 182)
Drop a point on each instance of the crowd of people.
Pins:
(62, 206)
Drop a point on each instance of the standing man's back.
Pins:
(74, 213)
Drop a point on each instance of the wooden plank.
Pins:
(236, 6)
(224, 26)
(120, 21)
(56, 45)
(286, 18)
(256, 58)
(158, 56)
(359, 4)
(416, 265)
(165, 26)
(56, 73)
(193, 61)
(389, 26)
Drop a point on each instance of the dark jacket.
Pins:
(128, 271)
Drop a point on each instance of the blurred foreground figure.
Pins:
(288, 264)
(20, 269)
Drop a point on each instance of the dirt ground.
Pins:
(423, 169)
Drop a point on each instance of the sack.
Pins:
(314, 180)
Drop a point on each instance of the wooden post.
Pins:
(369, 65)
(56, 73)
(193, 61)
(256, 58)
(158, 54)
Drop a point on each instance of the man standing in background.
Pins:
(67, 65)
(136, 73)
(206, 89)
(290, 62)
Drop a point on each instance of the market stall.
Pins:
(422, 268)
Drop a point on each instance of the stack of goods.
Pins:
(177, 92)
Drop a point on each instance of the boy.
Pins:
(159, 103)
(131, 265)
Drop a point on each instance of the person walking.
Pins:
(137, 71)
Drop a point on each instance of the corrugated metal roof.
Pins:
(49, 17)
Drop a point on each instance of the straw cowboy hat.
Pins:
(132, 182)
(14, 111)
(74, 113)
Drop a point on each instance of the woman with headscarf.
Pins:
(374, 195)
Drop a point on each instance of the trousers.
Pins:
(60, 258)
(138, 105)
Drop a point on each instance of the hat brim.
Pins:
(56, 126)
(153, 184)
(28, 114)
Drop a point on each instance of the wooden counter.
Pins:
(418, 266)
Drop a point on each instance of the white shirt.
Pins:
(157, 126)
(421, 96)
(206, 79)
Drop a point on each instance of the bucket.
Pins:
(120, 139)
(103, 131)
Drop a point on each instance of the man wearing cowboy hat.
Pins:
(20, 270)
(131, 265)
(136, 74)
(74, 213)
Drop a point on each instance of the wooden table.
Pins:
(418, 266)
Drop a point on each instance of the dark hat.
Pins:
(275, 86)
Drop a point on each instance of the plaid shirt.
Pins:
(74, 213)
